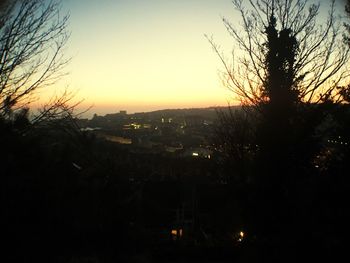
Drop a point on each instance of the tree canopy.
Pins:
(33, 35)
(289, 71)
(287, 37)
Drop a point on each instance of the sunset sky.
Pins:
(141, 55)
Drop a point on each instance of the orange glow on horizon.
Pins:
(144, 56)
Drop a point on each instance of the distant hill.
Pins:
(210, 112)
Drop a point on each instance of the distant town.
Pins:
(178, 132)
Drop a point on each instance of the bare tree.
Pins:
(288, 69)
(317, 65)
(33, 34)
(286, 63)
(346, 24)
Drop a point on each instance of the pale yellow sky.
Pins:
(145, 55)
(139, 55)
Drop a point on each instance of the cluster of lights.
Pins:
(337, 141)
(195, 154)
(240, 236)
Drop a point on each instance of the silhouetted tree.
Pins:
(37, 174)
(346, 24)
(317, 67)
(289, 61)
(32, 37)
(345, 90)
(288, 79)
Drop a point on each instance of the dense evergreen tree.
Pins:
(288, 81)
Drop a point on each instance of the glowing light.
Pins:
(240, 236)
(136, 126)
(195, 154)
(176, 233)
(117, 139)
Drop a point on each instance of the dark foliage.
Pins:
(294, 185)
